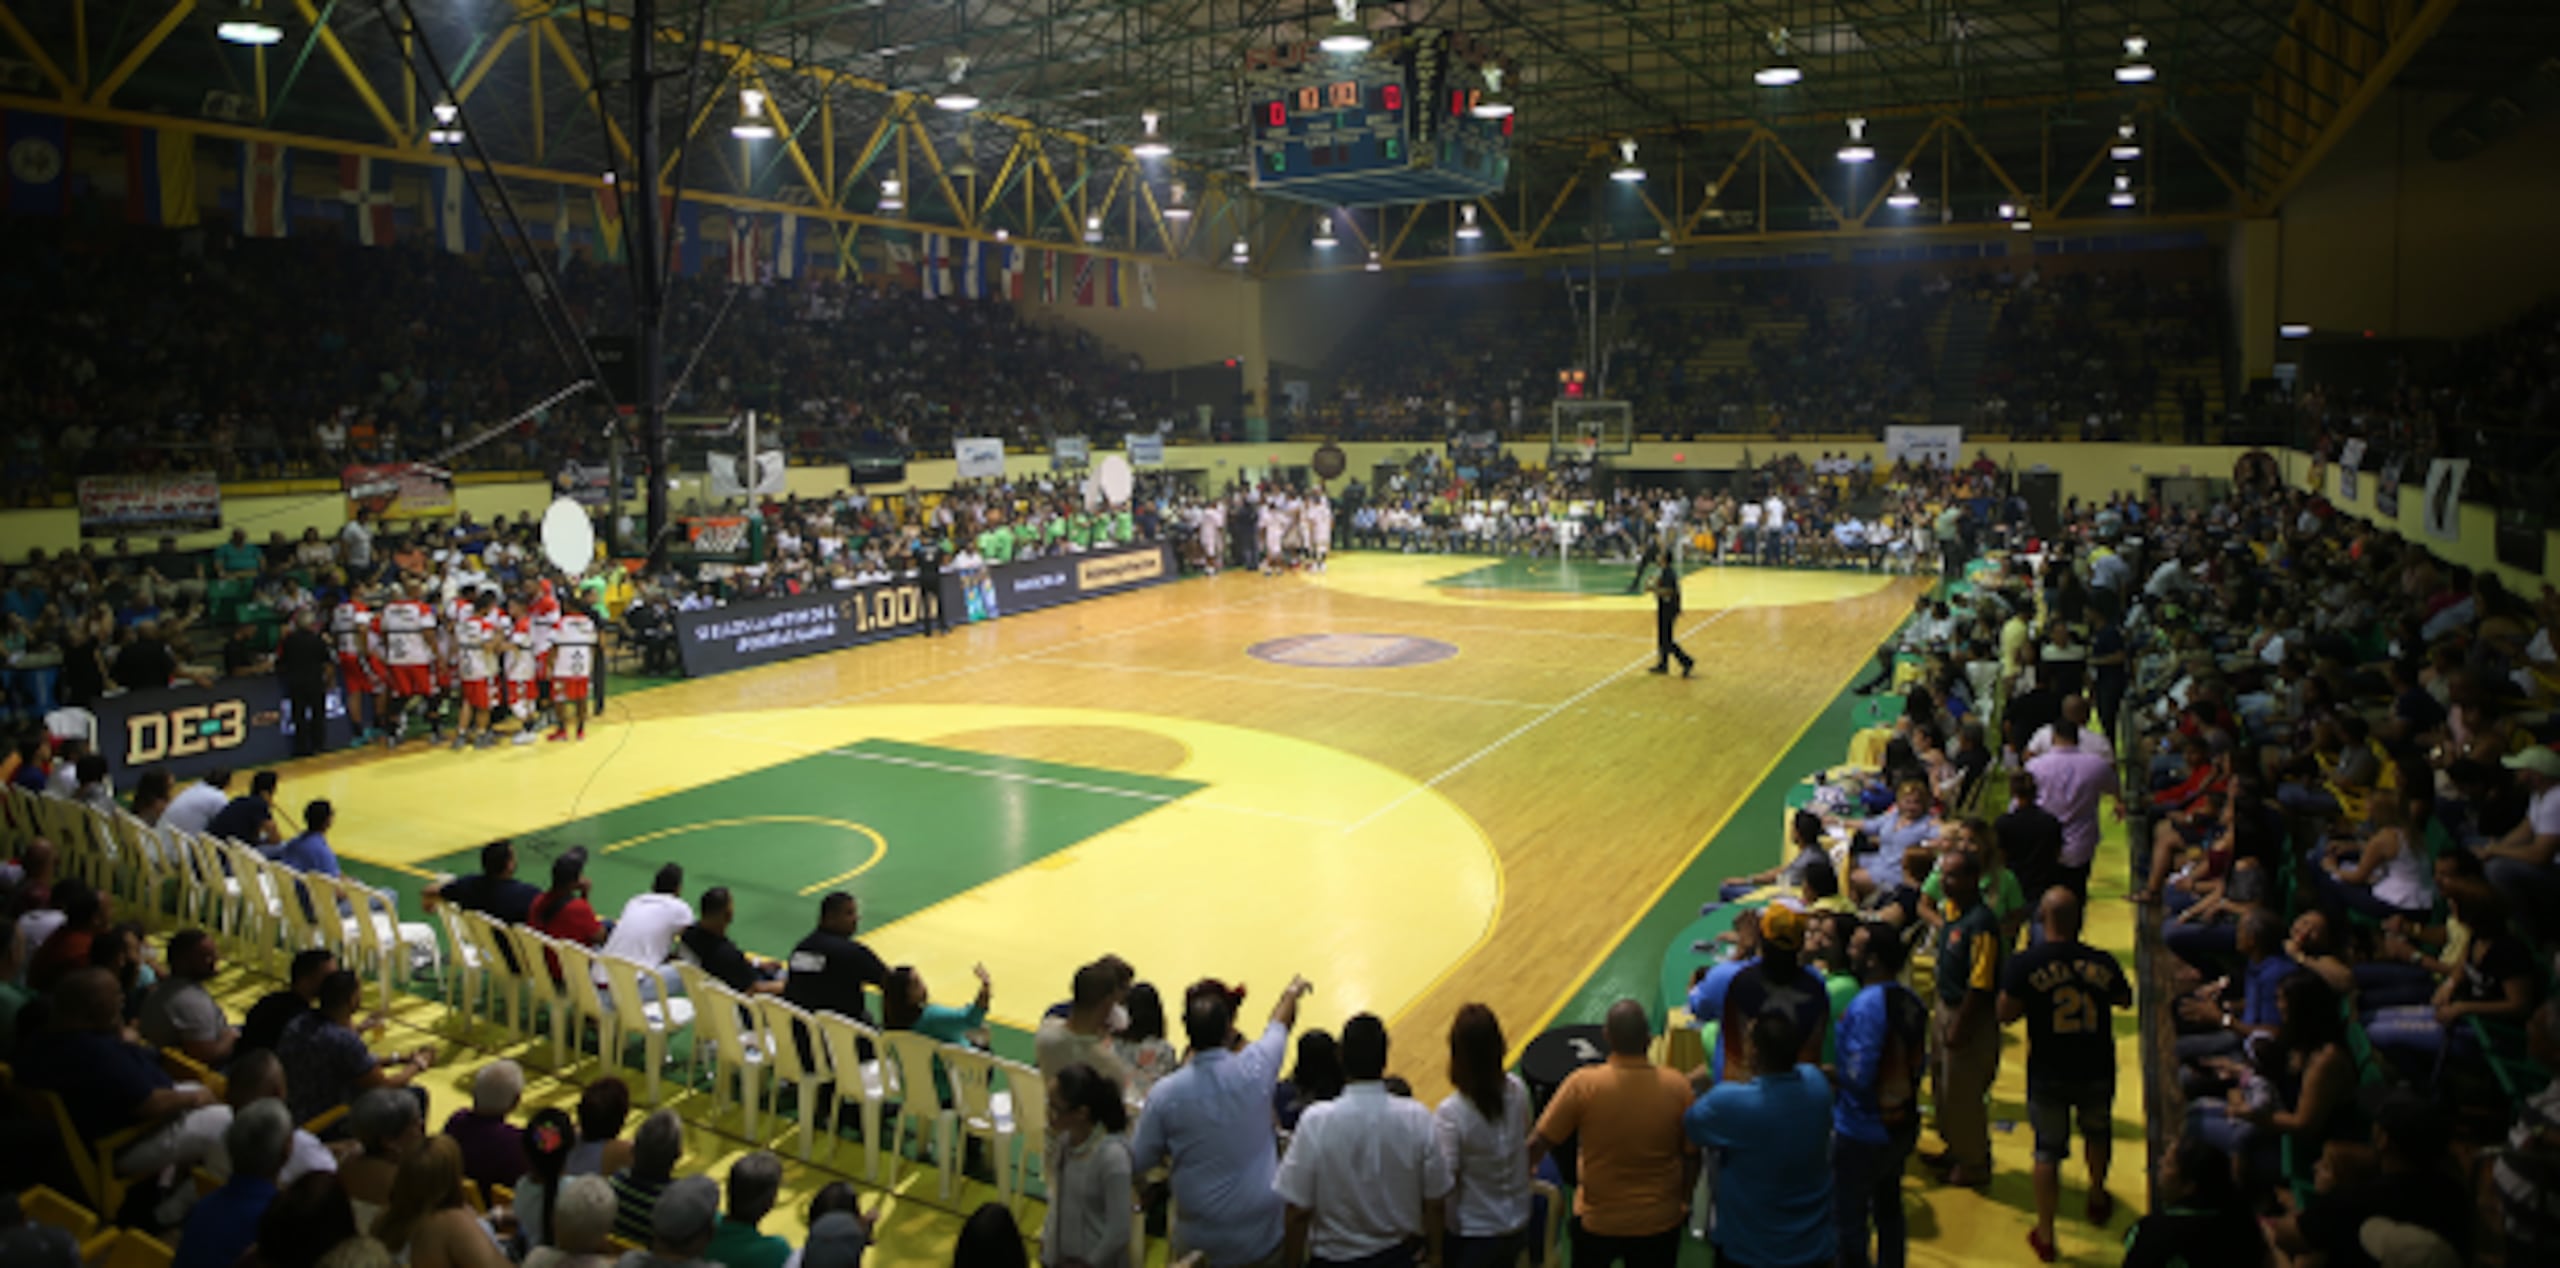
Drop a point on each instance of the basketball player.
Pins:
(1213, 534)
(1275, 533)
(1666, 623)
(476, 637)
(407, 625)
(1318, 517)
(524, 669)
(360, 676)
(573, 661)
(544, 624)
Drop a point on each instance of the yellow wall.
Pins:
(2477, 548)
(2384, 237)
(58, 528)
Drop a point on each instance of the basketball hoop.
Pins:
(1590, 450)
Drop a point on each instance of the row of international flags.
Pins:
(161, 186)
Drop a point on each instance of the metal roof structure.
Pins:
(1982, 102)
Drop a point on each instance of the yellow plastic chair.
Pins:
(127, 1249)
(44, 1206)
(740, 1047)
(92, 1160)
(1024, 1103)
(505, 977)
(922, 1104)
(626, 1013)
(873, 1079)
(466, 977)
(550, 998)
(980, 1110)
(784, 1026)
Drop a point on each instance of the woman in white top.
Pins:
(1088, 1171)
(1484, 1133)
(2386, 875)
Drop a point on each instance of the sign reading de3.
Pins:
(235, 723)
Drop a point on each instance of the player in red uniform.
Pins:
(476, 639)
(360, 674)
(407, 626)
(573, 666)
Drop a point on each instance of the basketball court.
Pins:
(1418, 780)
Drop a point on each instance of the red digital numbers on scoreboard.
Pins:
(1506, 125)
(1457, 103)
(1276, 115)
(1391, 97)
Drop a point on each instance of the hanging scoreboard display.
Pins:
(1396, 124)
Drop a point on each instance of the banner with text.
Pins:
(1146, 449)
(983, 594)
(980, 457)
(150, 505)
(1069, 451)
(1923, 446)
(399, 490)
(236, 723)
(760, 632)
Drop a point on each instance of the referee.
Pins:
(1666, 622)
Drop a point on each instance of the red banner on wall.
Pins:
(125, 505)
(399, 490)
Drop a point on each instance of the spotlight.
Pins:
(955, 96)
(1372, 266)
(1093, 228)
(751, 124)
(889, 197)
(1150, 146)
(2294, 330)
(1242, 252)
(1324, 232)
(1781, 69)
(245, 25)
(1902, 199)
(2136, 66)
(448, 129)
(1467, 230)
(1492, 105)
(1857, 150)
(2122, 195)
(1627, 173)
(2125, 149)
(1179, 210)
(1346, 35)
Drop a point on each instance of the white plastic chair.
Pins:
(628, 1013)
(502, 967)
(262, 922)
(740, 1048)
(466, 979)
(784, 1026)
(395, 950)
(546, 998)
(873, 1079)
(1024, 1102)
(913, 1054)
(980, 1110)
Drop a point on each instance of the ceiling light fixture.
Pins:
(1242, 252)
(1179, 210)
(889, 199)
(1627, 172)
(1781, 69)
(448, 129)
(1324, 231)
(2025, 221)
(1467, 229)
(751, 124)
(1492, 104)
(956, 97)
(1857, 150)
(2136, 66)
(2122, 196)
(2125, 149)
(1666, 246)
(245, 25)
(1902, 199)
(1093, 228)
(1150, 146)
(1346, 35)
(2294, 330)
(1372, 266)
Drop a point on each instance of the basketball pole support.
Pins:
(648, 277)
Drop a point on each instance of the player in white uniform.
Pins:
(524, 671)
(1319, 527)
(1275, 533)
(573, 667)
(1213, 534)
(359, 665)
(476, 636)
(407, 626)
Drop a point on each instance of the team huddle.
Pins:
(1276, 528)
(472, 650)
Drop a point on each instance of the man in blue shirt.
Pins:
(1773, 1141)
(1884, 1047)
(224, 1223)
(310, 852)
(1212, 1120)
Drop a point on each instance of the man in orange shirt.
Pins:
(1637, 1165)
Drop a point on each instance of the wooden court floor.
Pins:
(1442, 780)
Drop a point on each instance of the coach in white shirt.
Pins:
(193, 809)
(646, 934)
(1364, 1176)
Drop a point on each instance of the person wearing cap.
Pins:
(1211, 1120)
(1777, 980)
(681, 1226)
(2521, 864)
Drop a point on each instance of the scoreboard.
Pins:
(1394, 125)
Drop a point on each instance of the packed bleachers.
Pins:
(2104, 355)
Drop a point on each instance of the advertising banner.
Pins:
(150, 505)
(2444, 498)
(587, 484)
(1069, 451)
(743, 635)
(1929, 446)
(981, 457)
(983, 594)
(235, 723)
(729, 481)
(399, 490)
(1146, 449)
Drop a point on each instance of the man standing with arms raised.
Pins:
(1212, 1121)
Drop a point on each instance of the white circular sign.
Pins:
(569, 537)
(1116, 479)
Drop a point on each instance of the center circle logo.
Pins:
(1351, 651)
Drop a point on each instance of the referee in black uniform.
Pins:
(929, 580)
(1666, 623)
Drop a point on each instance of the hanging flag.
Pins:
(692, 250)
(1049, 277)
(903, 260)
(790, 249)
(1147, 286)
(742, 249)
(561, 237)
(265, 174)
(1111, 283)
(1010, 260)
(1084, 281)
(973, 270)
(370, 206)
(936, 267)
(160, 177)
(39, 154)
(459, 223)
(608, 204)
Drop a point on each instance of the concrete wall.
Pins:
(2477, 547)
(2384, 237)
